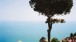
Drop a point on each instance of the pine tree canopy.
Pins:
(51, 7)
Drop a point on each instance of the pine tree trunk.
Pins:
(49, 29)
(48, 36)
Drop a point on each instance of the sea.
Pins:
(14, 31)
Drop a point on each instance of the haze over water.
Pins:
(33, 31)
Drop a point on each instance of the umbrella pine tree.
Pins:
(50, 8)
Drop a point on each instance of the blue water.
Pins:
(33, 31)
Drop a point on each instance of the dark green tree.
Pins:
(55, 40)
(71, 35)
(43, 39)
(50, 8)
(75, 34)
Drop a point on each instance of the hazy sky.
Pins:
(20, 10)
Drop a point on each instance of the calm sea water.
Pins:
(33, 31)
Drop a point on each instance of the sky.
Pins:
(20, 10)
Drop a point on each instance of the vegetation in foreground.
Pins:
(71, 38)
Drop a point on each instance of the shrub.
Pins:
(55, 40)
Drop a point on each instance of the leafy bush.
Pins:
(55, 40)
(75, 34)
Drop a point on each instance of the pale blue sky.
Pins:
(20, 10)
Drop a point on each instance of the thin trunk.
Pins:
(49, 29)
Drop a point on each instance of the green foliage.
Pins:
(56, 21)
(51, 7)
(75, 34)
(71, 35)
(66, 40)
(42, 39)
(55, 40)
